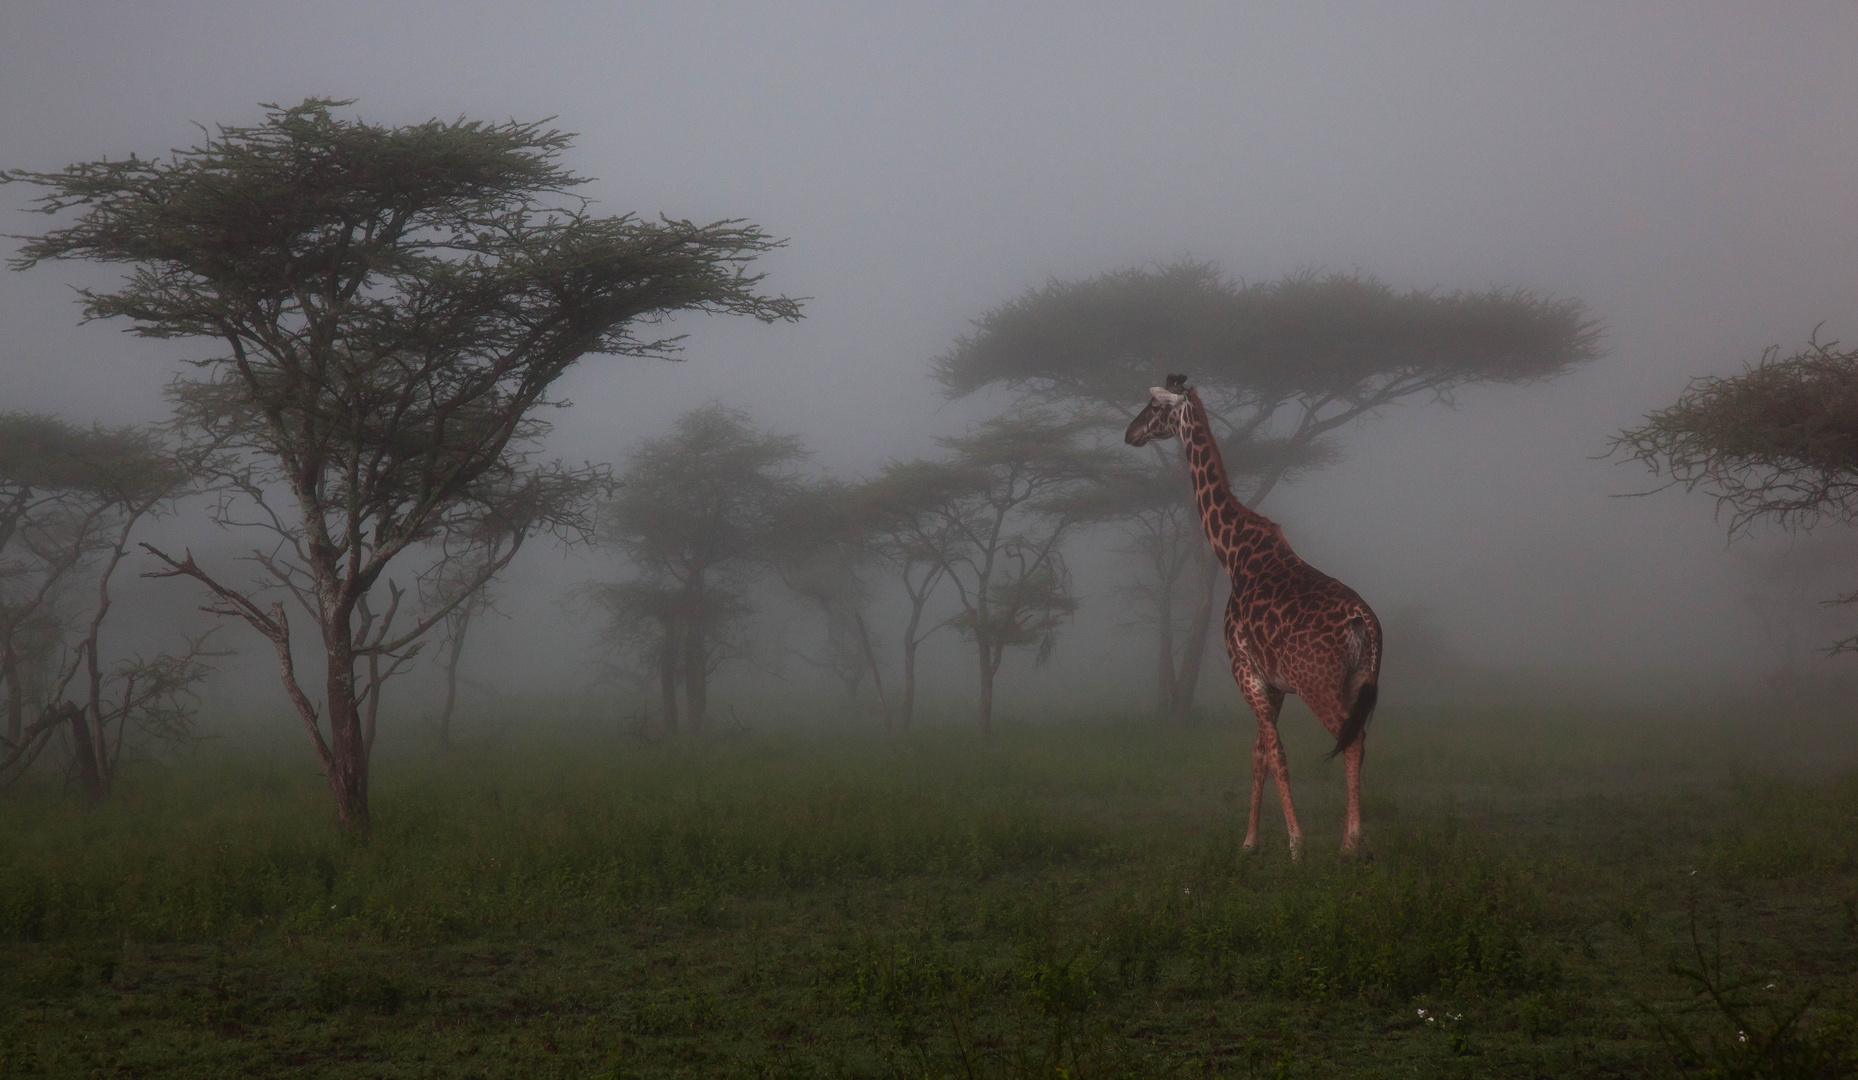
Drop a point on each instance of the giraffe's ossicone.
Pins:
(1290, 628)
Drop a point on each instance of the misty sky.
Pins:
(1689, 170)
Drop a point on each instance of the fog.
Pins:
(1684, 169)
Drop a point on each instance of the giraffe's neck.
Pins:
(1235, 529)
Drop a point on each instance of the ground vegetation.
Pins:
(1571, 891)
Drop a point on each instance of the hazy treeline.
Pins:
(384, 313)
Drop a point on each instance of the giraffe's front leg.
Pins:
(1259, 771)
(1280, 768)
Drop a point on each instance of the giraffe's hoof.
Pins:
(1296, 850)
(1358, 853)
(1249, 847)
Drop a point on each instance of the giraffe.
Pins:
(1289, 627)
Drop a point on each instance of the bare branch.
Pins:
(236, 603)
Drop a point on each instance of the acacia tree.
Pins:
(999, 507)
(391, 307)
(1778, 443)
(70, 497)
(698, 514)
(1281, 365)
(907, 507)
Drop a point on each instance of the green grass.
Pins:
(1570, 892)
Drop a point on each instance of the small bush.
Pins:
(1750, 1030)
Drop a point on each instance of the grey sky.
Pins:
(1687, 169)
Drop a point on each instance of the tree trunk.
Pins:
(667, 675)
(906, 709)
(94, 740)
(870, 659)
(906, 712)
(348, 771)
(451, 675)
(1164, 652)
(91, 738)
(988, 667)
(1187, 682)
(87, 751)
(696, 664)
(15, 694)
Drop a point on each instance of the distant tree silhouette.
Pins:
(990, 521)
(70, 497)
(697, 513)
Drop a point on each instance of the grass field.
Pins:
(1589, 892)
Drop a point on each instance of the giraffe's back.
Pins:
(1304, 631)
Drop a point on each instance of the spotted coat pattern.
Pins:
(1290, 628)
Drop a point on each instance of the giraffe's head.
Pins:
(1162, 418)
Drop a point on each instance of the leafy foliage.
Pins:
(1348, 341)
(50, 456)
(1778, 442)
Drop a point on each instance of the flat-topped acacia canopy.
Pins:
(1345, 337)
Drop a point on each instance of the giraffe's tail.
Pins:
(1365, 635)
(1357, 721)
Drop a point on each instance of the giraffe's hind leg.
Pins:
(1351, 836)
(1333, 713)
(1260, 770)
(1267, 755)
